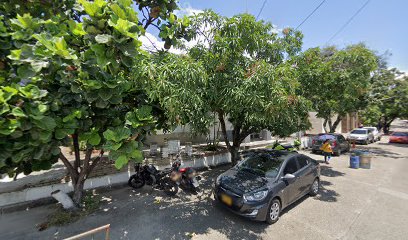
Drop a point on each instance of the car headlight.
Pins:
(257, 196)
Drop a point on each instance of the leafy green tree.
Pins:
(66, 72)
(247, 79)
(388, 98)
(336, 81)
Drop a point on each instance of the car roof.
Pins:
(359, 129)
(329, 134)
(370, 127)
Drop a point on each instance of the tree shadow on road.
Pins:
(400, 145)
(378, 151)
(328, 171)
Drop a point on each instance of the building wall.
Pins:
(317, 124)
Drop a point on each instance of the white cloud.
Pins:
(152, 44)
(187, 10)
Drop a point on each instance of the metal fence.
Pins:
(91, 233)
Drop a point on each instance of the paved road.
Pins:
(353, 204)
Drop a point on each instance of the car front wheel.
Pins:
(273, 211)
(314, 189)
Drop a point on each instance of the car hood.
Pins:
(240, 181)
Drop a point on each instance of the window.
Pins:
(341, 138)
(326, 136)
(291, 167)
(400, 134)
(303, 161)
(262, 164)
(359, 131)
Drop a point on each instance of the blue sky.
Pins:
(382, 24)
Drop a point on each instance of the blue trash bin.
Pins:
(354, 161)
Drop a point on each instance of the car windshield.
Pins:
(326, 136)
(400, 134)
(262, 164)
(359, 131)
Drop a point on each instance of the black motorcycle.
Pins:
(148, 174)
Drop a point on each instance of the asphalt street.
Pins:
(352, 204)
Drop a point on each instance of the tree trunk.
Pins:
(335, 124)
(325, 125)
(387, 125)
(235, 157)
(80, 174)
(236, 141)
(78, 192)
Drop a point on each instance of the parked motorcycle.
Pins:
(186, 178)
(148, 174)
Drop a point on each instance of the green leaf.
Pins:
(137, 155)
(105, 94)
(45, 136)
(103, 38)
(112, 146)
(25, 21)
(101, 104)
(118, 134)
(5, 108)
(25, 71)
(100, 52)
(15, 54)
(38, 65)
(73, 115)
(92, 8)
(94, 139)
(76, 28)
(121, 161)
(46, 123)
(61, 133)
(18, 112)
(118, 11)
(125, 27)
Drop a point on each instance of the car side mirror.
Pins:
(289, 177)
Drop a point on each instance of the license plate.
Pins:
(226, 199)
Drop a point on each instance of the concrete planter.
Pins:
(43, 192)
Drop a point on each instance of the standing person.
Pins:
(327, 150)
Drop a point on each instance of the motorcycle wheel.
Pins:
(169, 187)
(136, 181)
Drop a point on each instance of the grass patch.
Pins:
(60, 216)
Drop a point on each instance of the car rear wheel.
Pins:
(337, 153)
(273, 211)
(314, 189)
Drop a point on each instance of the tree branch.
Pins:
(84, 170)
(223, 128)
(72, 171)
(76, 151)
(94, 163)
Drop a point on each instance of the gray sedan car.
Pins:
(266, 182)
(338, 143)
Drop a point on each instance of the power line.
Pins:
(308, 16)
(260, 10)
(348, 21)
